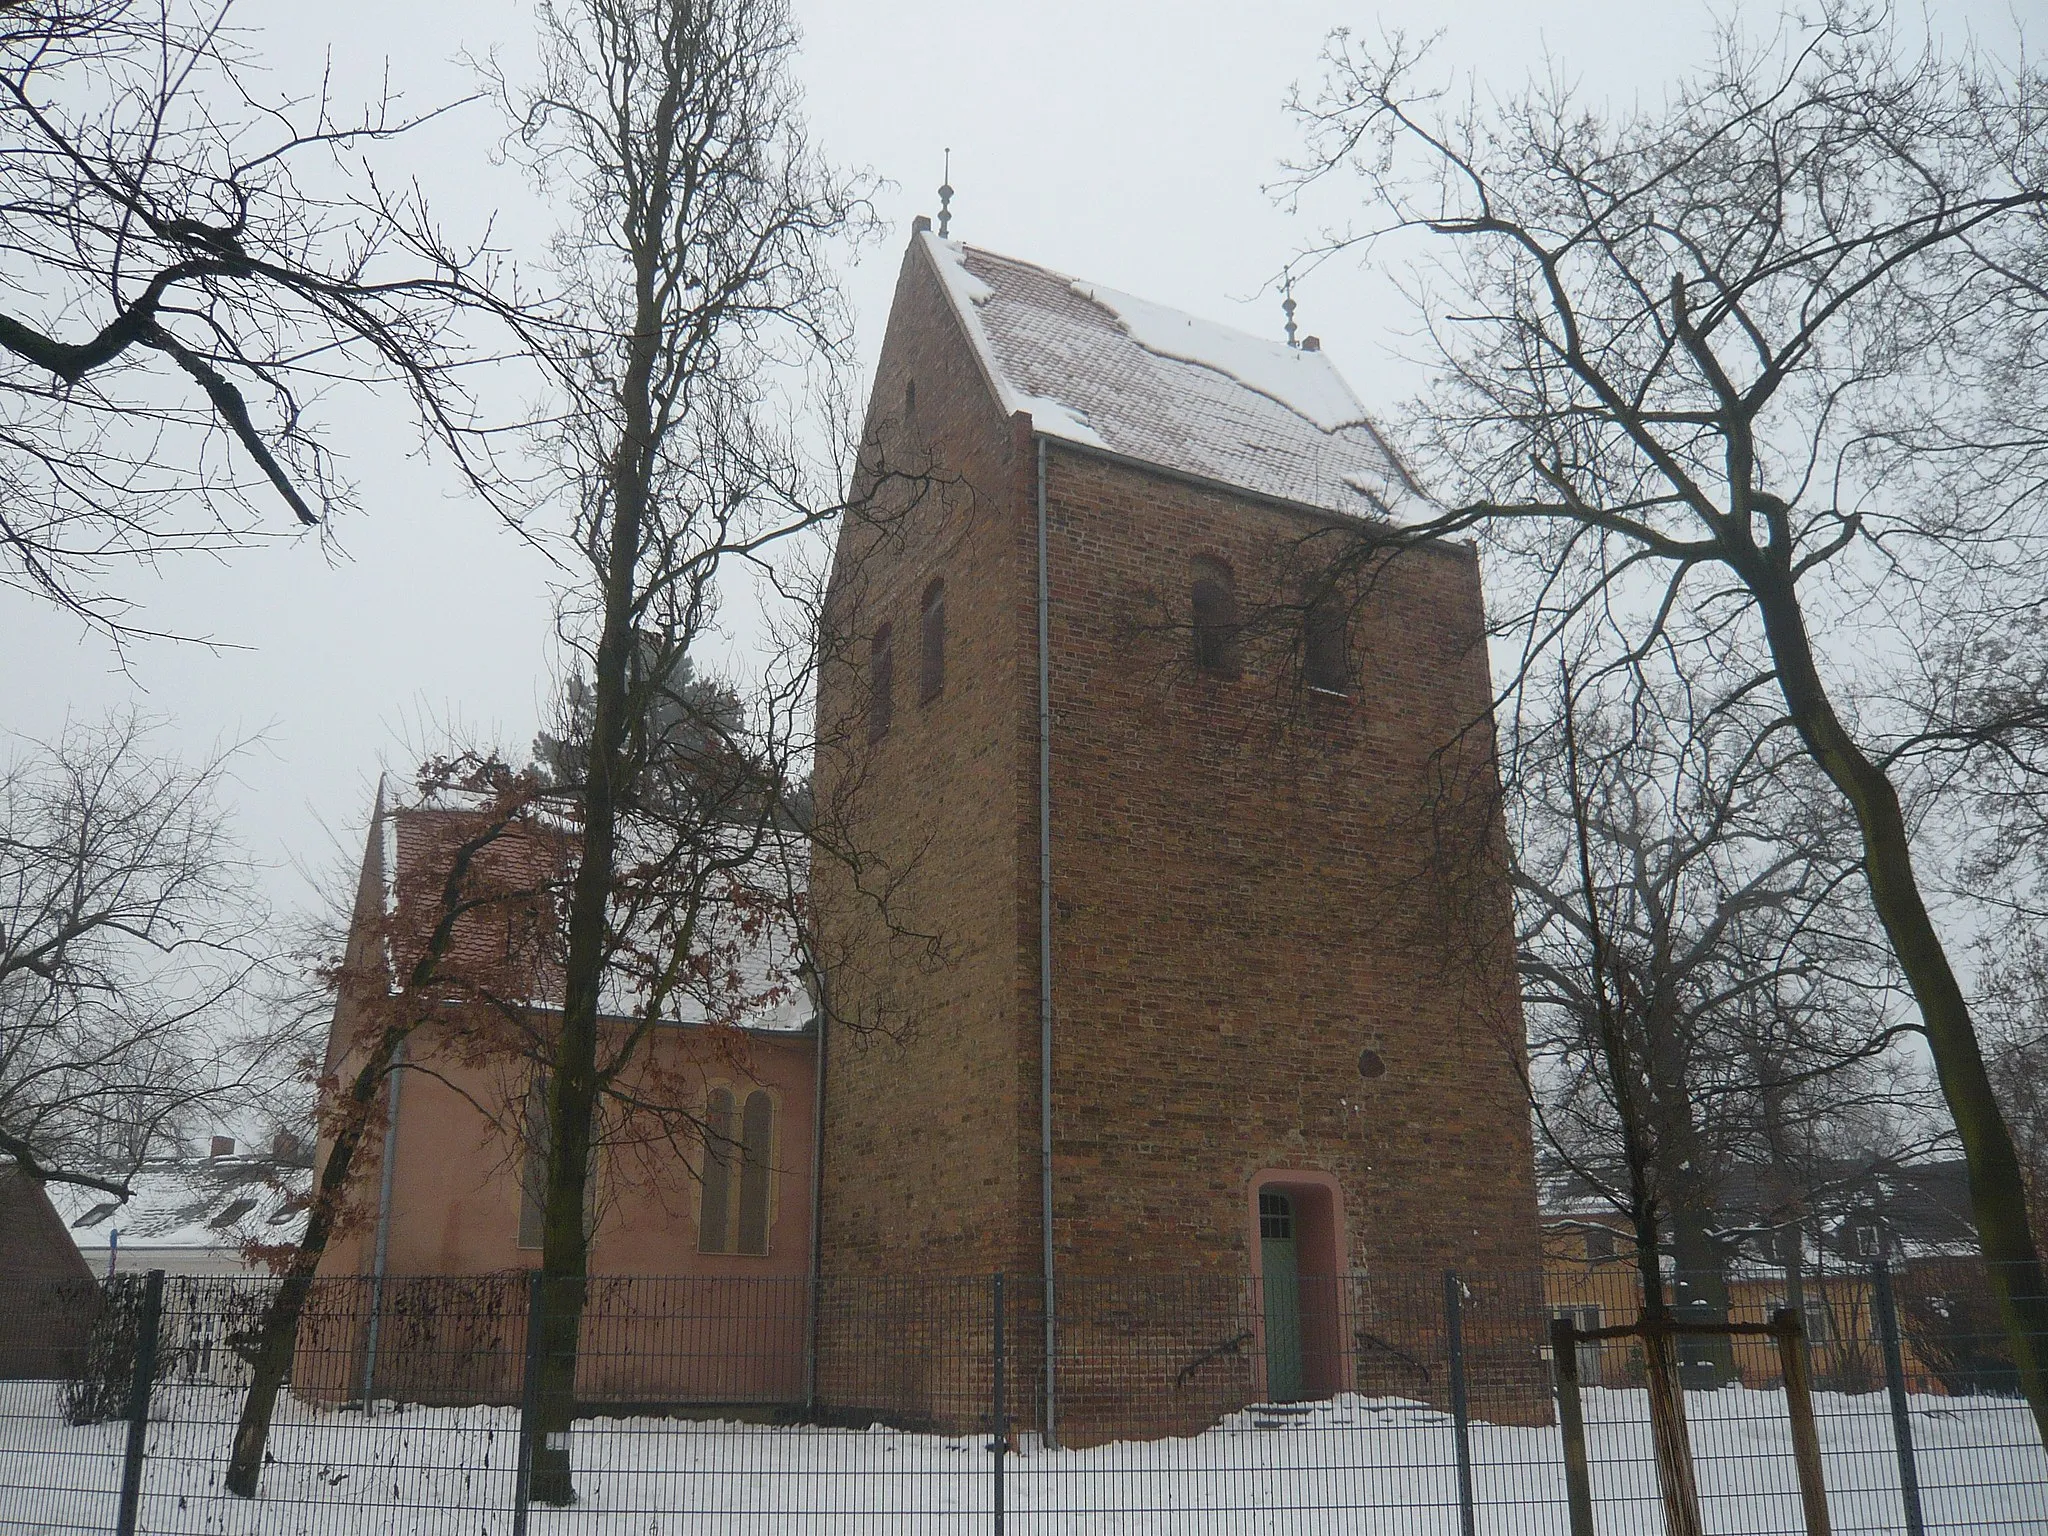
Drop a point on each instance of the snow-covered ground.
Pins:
(1352, 1465)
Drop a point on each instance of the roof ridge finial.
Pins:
(946, 197)
(1287, 304)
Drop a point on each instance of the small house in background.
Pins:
(40, 1270)
(1912, 1217)
(35, 1243)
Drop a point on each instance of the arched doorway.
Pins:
(1298, 1266)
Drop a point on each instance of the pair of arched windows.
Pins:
(738, 1179)
(1325, 648)
(931, 661)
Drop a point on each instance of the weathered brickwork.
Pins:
(1252, 882)
(924, 841)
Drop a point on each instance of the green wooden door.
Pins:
(1281, 1272)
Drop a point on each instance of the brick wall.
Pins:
(1248, 877)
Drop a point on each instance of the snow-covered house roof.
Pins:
(1104, 369)
(188, 1216)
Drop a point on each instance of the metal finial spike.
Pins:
(1287, 307)
(946, 197)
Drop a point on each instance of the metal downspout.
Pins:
(817, 1201)
(383, 1249)
(1045, 957)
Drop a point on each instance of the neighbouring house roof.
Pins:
(1855, 1211)
(1104, 369)
(189, 1215)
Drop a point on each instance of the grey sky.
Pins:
(1123, 142)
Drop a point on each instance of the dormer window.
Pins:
(1216, 623)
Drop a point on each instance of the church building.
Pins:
(1194, 959)
(1160, 942)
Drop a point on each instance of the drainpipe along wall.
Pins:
(382, 1255)
(1045, 954)
(817, 1191)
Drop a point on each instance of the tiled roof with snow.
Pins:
(1101, 368)
(746, 944)
(192, 1204)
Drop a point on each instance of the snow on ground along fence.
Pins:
(1384, 1403)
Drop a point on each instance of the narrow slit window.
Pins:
(881, 683)
(714, 1216)
(1326, 647)
(931, 669)
(1216, 623)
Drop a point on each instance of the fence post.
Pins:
(999, 1416)
(529, 1384)
(1789, 1328)
(1571, 1423)
(139, 1385)
(1887, 1312)
(1461, 1407)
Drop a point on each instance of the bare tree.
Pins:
(131, 941)
(190, 263)
(403, 968)
(1748, 981)
(1751, 368)
(698, 307)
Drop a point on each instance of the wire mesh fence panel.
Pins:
(399, 1413)
(1404, 1402)
(67, 1361)
(731, 1405)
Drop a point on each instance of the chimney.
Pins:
(223, 1146)
(284, 1147)
(920, 225)
(1311, 343)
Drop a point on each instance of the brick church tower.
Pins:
(1197, 882)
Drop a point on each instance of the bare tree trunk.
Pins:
(1998, 1195)
(573, 1085)
(1700, 1281)
(278, 1333)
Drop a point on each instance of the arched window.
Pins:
(1325, 645)
(881, 683)
(735, 1210)
(1216, 625)
(757, 1136)
(931, 643)
(714, 1211)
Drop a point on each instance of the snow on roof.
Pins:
(213, 1204)
(1106, 370)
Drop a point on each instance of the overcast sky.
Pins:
(1127, 141)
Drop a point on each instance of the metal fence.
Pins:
(1421, 1403)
